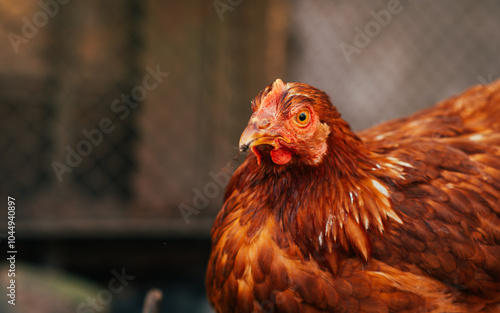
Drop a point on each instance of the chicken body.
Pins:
(401, 217)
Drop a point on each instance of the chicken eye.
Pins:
(302, 118)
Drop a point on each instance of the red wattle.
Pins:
(281, 156)
(257, 154)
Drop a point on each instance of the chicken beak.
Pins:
(253, 136)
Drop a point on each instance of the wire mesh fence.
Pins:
(63, 66)
(384, 59)
(123, 109)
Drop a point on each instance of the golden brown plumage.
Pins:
(401, 217)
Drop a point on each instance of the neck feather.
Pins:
(331, 206)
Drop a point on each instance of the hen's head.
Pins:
(291, 123)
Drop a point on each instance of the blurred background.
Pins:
(120, 120)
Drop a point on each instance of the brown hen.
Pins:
(401, 217)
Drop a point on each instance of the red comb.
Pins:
(274, 96)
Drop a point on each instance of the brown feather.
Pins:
(401, 217)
